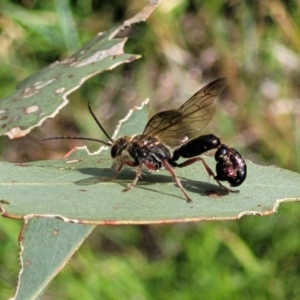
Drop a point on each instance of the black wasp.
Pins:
(174, 134)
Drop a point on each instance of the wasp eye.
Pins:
(117, 147)
(114, 151)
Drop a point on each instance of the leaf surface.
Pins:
(46, 246)
(43, 94)
(48, 243)
(73, 189)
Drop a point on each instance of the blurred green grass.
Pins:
(184, 44)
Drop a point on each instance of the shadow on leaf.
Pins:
(126, 176)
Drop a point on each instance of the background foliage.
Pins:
(255, 44)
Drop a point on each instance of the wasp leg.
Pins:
(207, 168)
(169, 168)
(137, 176)
(115, 175)
(129, 163)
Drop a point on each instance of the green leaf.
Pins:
(43, 94)
(70, 189)
(42, 237)
(46, 246)
(48, 243)
(73, 189)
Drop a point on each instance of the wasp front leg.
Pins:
(119, 168)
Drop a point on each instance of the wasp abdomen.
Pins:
(197, 146)
(230, 166)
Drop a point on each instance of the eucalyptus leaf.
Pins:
(46, 246)
(74, 189)
(48, 243)
(43, 94)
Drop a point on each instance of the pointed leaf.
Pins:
(46, 246)
(73, 189)
(43, 94)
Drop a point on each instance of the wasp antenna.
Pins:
(98, 123)
(77, 138)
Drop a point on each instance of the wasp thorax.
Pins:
(118, 146)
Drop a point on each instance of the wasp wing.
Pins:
(175, 127)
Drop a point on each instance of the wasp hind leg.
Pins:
(208, 170)
(172, 172)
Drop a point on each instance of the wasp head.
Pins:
(119, 145)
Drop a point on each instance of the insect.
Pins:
(174, 134)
